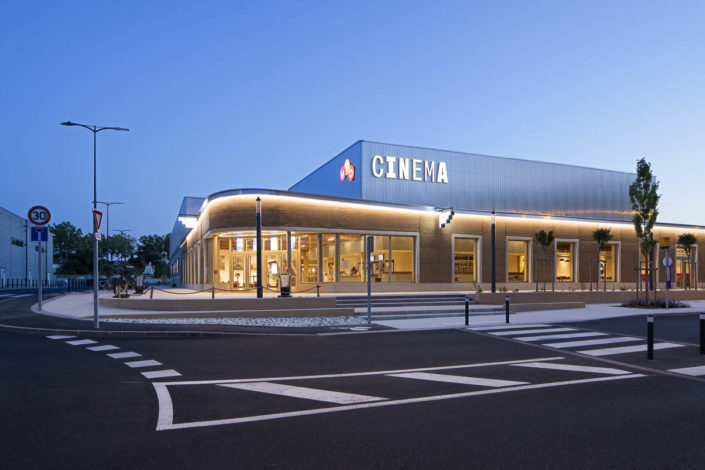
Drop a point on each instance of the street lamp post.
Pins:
(95, 129)
(107, 217)
(494, 257)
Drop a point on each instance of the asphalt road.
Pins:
(435, 399)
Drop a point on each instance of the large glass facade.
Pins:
(352, 258)
(517, 260)
(565, 261)
(237, 261)
(402, 259)
(465, 260)
(608, 267)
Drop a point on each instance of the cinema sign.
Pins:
(398, 168)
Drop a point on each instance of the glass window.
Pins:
(517, 257)
(565, 261)
(685, 267)
(379, 259)
(402, 259)
(224, 261)
(329, 249)
(352, 257)
(464, 260)
(608, 269)
(308, 257)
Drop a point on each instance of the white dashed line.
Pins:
(158, 374)
(147, 363)
(60, 337)
(124, 355)
(304, 392)
(561, 336)
(528, 332)
(81, 342)
(573, 367)
(628, 349)
(692, 371)
(458, 379)
(592, 342)
(105, 347)
(506, 327)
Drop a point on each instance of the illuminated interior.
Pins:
(464, 260)
(517, 257)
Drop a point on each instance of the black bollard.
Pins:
(650, 336)
(212, 292)
(506, 308)
(467, 311)
(151, 292)
(318, 290)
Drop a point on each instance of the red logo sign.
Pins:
(347, 171)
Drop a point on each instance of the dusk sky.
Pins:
(221, 95)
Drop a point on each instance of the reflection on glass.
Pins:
(464, 260)
(352, 255)
(608, 267)
(517, 256)
(328, 242)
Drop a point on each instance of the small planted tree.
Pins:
(644, 196)
(544, 239)
(602, 237)
(688, 241)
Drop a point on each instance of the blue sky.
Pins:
(222, 95)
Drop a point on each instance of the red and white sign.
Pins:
(97, 218)
(39, 215)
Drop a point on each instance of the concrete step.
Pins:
(425, 312)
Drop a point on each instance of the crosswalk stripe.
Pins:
(573, 367)
(591, 342)
(104, 347)
(146, 363)
(528, 332)
(60, 336)
(694, 371)
(81, 342)
(158, 374)
(458, 379)
(506, 327)
(124, 355)
(628, 349)
(304, 392)
(562, 336)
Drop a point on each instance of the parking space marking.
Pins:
(328, 396)
(160, 374)
(81, 342)
(574, 367)
(628, 349)
(146, 363)
(124, 355)
(525, 332)
(104, 347)
(60, 336)
(562, 336)
(591, 342)
(458, 379)
(692, 371)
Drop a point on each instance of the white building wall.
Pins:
(18, 256)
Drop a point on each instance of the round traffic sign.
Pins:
(39, 215)
(667, 261)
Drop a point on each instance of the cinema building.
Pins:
(404, 197)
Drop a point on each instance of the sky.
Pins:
(223, 95)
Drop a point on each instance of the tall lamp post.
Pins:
(107, 217)
(95, 129)
(494, 251)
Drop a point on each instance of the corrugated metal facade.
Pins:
(18, 257)
(474, 182)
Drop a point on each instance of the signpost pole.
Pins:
(39, 275)
(369, 248)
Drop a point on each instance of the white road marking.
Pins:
(165, 418)
(573, 367)
(16, 297)
(628, 349)
(105, 347)
(694, 371)
(590, 342)
(359, 374)
(525, 332)
(81, 342)
(562, 336)
(458, 379)
(505, 327)
(304, 392)
(147, 363)
(60, 336)
(158, 374)
(124, 355)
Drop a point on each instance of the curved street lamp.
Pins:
(94, 129)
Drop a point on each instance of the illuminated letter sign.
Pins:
(399, 168)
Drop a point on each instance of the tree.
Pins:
(602, 236)
(66, 240)
(688, 241)
(153, 248)
(544, 239)
(122, 246)
(644, 196)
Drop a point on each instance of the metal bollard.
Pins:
(506, 309)
(467, 310)
(318, 290)
(650, 336)
(212, 292)
(151, 292)
(702, 333)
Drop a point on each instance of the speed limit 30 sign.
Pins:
(39, 215)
